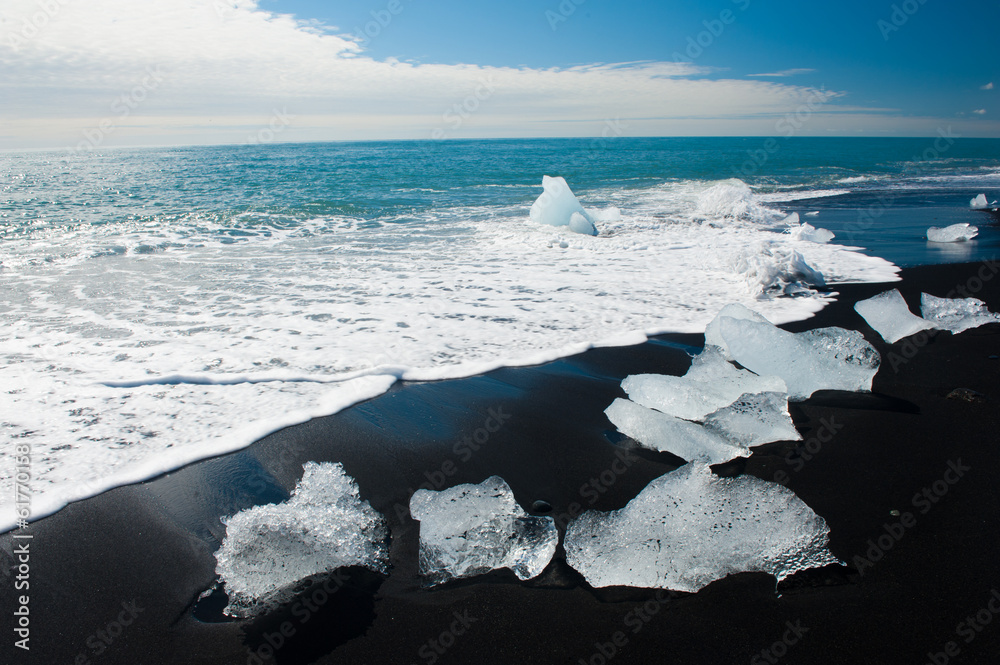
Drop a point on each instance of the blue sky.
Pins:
(230, 71)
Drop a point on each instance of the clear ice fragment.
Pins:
(956, 314)
(953, 233)
(890, 316)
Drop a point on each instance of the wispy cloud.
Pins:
(988, 86)
(783, 73)
(980, 111)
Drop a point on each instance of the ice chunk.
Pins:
(689, 528)
(664, 433)
(814, 213)
(953, 233)
(979, 202)
(710, 384)
(770, 269)
(558, 206)
(469, 530)
(810, 233)
(956, 314)
(791, 220)
(890, 316)
(713, 335)
(323, 526)
(826, 358)
(754, 419)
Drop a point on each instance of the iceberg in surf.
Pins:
(822, 359)
(558, 206)
(953, 233)
(956, 314)
(731, 198)
(470, 530)
(979, 202)
(810, 233)
(888, 314)
(709, 384)
(769, 269)
(689, 528)
(323, 526)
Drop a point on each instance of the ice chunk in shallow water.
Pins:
(689, 528)
(953, 233)
(754, 419)
(826, 358)
(323, 526)
(888, 314)
(956, 314)
(810, 233)
(979, 202)
(558, 206)
(470, 529)
(664, 433)
(710, 384)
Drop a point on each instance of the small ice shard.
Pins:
(814, 213)
(558, 206)
(469, 530)
(956, 314)
(791, 220)
(658, 431)
(710, 384)
(826, 358)
(888, 314)
(953, 233)
(323, 526)
(979, 202)
(754, 419)
(810, 233)
(689, 528)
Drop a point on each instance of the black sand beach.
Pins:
(904, 477)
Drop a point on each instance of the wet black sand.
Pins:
(142, 554)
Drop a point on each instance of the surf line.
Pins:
(197, 380)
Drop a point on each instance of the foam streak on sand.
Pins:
(120, 363)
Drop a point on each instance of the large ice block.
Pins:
(558, 206)
(323, 526)
(890, 316)
(826, 358)
(664, 433)
(710, 384)
(469, 530)
(689, 528)
(953, 233)
(956, 314)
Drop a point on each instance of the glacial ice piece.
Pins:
(769, 268)
(810, 233)
(713, 335)
(754, 419)
(689, 528)
(558, 206)
(888, 314)
(711, 383)
(323, 526)
(469, 530)
(953, 233)
(825, 358)
(979, 202)
(956, 314)
(664, 433)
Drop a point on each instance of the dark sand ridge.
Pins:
(151, 544)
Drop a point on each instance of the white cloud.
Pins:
(783, 73)
(222, 68)
(988, 86)
(980, 111)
